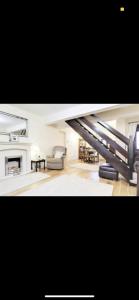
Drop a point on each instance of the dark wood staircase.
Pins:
(122, 158)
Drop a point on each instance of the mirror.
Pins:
(11, 124)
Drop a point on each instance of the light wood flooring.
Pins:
(120, 188)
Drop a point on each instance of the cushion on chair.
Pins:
(58, 154)
(54, 160)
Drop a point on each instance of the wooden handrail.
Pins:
(136, 158)
(115, 132)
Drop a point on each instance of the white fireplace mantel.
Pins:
(15, 143)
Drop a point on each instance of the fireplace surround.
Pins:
(15, 159)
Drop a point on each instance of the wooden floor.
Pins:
(120, 188)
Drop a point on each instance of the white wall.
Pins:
(127, 121)
(72, 143)
(120, 113)
(122, 116)
(42, 137)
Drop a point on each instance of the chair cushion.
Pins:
(58, 154)
(54, 160)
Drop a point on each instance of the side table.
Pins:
(37, 163)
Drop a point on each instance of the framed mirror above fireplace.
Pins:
(13, 125)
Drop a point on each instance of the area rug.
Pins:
(14, 183)
(71, 185)
(85, 166)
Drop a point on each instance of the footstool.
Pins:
(108, 172)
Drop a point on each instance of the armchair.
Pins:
(56, 161)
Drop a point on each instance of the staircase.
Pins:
(121, 157)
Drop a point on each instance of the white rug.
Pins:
(9, 185)
(71, 185)
(85, 166)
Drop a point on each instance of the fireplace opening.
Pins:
(13, 165)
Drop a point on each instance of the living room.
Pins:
(29, 165)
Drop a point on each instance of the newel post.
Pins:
(131, 155)
(136, 166)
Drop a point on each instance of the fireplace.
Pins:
(13, 165)
(14, 159)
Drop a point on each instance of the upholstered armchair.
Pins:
(56, 161)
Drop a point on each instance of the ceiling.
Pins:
(44, 110)
(55, 113)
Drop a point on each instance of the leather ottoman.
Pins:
(108, 172)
